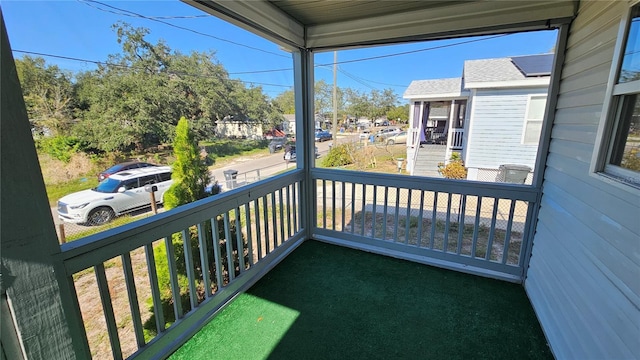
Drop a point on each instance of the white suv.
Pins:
(119, 193)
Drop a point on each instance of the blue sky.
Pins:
(82, 29)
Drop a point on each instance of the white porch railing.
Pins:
(469, 226)
(455, 139)
(235, 238)
(238, 236)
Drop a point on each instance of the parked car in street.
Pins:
(364, 135)
(120, 193)
(399, 138)
(323, 136)
(277, 143)
(292, 151)
(121, 167)
(386, 132)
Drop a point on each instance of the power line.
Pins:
(371, 81)
(134, 14)
(357, 80)
(151, 17)
(415, 51)
(141, 68)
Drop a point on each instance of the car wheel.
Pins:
(100, 216)
(391, 142)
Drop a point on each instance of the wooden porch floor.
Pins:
(328, 302)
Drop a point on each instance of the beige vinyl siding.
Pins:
(584, 274)
(496, 127)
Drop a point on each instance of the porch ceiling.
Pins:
(330, 24)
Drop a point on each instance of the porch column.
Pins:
(30, 271)
(305, 135)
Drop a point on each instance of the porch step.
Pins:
(427, 160)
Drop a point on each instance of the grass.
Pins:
(227, 149)
(56, 191)
(119, 221)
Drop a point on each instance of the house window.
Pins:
(533, 119)
(619, 155)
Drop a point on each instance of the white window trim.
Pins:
(527, 120)
(614, 175)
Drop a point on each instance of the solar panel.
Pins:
(534, 65)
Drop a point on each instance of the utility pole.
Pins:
(335, 97)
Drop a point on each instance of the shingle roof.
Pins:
(433, 87)
(479, 71)
(492, 70)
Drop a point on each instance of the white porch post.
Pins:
(30, 272)
(305, 140)
(452, 114)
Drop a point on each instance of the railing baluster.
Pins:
(231, 266)
(364, 210)
(408, 219)
(239, 243)
(155, 290)
(203, 245)
(344, 206)
(282, 222)
(492, 231)
(461, 214)
(216, 252)
(247, 216)
(434, 220)
(274, 219)
(294, 205)
(173, 276)
(133, 298)
(107, 309)
(265, 214)
(353, 208)
(447, 223)
(476, 227)
(256, 210)
(385, 210)
(189, 265)
(373, 211)
(333, 205)
(420, 219)
(397, 216)
(324, 204)
(507, 235)
(289, 222)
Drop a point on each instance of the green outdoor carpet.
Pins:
(330, 302)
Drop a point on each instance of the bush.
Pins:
(454, 169)
(164, 279)
(61, 147)
(339, 155)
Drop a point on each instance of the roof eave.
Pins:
(534, 82)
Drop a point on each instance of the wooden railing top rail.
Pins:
(463, 187)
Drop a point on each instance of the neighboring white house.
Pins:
(233, 128)
(492, 115)
(289, 123)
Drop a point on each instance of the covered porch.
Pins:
(366, 248)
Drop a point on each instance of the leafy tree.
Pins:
(357, 104)
(381, 103)
(189, 172)
(399, 113)
(285, 102)
(48, 95)
(323, 97)
(135, 100)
